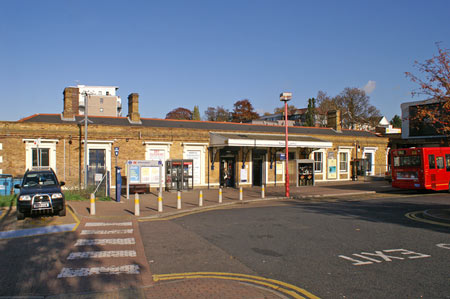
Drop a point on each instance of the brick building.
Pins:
(250, 153)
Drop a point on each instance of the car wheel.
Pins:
(62, 212)
(20, 215)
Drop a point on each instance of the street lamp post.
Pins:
(285, 97)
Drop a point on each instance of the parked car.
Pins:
(40, 193)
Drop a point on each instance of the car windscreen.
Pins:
(39, 179)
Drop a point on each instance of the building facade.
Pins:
(222, 153)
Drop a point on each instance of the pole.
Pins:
(92, 199)
(287, 150)
(220, 195)
(85, 140)
(200, 199)
(136, 204)
(178, 200)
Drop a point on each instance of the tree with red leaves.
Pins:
(435, 84)
(179, 113)
(243, 111)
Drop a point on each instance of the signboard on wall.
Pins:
(195, 156)
(244, 173)
(332, 169)
(279, 167)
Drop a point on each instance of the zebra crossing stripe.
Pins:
(108, 224)
(107, 232)
(118, 241)
(101, 254)
(112, 270)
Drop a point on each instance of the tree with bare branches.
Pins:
(435, 84)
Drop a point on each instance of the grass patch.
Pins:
(7, 200)
(83, 195)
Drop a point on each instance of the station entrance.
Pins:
(228, 159)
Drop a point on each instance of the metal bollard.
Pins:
(136, 204)
(263, 191)
(178, 200)
(160, 203)
(240, 193)
(92, 204)
(200, 199)
(220, 195)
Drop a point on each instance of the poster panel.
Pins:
(332, 173)
(134, 174)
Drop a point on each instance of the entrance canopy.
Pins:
(266, 140)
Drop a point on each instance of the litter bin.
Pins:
(118, 183)
(5, 184)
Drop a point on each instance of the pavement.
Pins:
(212, 285)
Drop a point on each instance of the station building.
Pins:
(231, 154)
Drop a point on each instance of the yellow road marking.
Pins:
(76, 219)
(272, 283)
(412, 216)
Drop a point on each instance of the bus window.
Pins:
(440, 162)
(447, 161)
(431, 162)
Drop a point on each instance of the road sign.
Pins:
(116, 151)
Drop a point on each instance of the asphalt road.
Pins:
(363, 248)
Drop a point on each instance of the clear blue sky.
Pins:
(211, 53)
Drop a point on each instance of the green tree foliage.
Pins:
(280, 110)
(179, 113)
(311, 113)
(196, 113)
(217, 114)
(396, 121)
(435, 84)
(243, 111)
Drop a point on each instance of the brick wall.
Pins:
(130, 139)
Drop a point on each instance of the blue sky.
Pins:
(213, 53)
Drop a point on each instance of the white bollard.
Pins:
(240, 193)
(136, 204)
(178, 200)
(160, 203)
(92, 204)
(263, 191)
(200, 199)
(220, 195)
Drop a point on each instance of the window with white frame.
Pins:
(343, 162)
(318, 161)
(42, 154)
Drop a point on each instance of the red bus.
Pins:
(426, 168)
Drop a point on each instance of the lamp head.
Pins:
(285, 96)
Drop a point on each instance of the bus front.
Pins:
(407, 169)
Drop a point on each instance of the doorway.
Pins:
(228, 157)
(97, 165)
(257, 167)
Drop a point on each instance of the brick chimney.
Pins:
(71, 95)
(334, 120)
(133, 108)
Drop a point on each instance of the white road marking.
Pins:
(443, 245)
(386, 258)
(101, 254)
(115, 270)
(108, 224)
(117, 241)
(106, 232)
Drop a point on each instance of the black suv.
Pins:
(40, 193)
